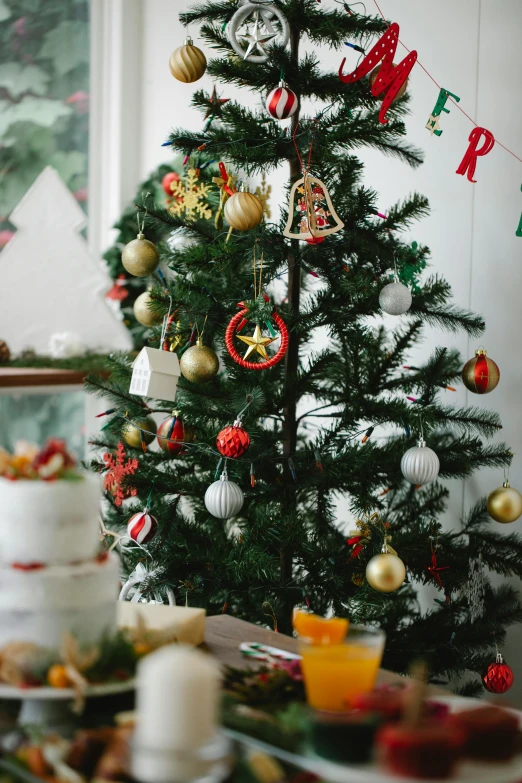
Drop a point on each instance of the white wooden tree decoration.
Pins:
(155, 374)
(314, 216)
(49, 282)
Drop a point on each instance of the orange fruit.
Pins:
(319, 630)
(57, 676)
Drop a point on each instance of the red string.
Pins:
(457, 105)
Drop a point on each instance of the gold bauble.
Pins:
(385, 572)
(134, 431)
(199, 363)
(143, 314)
(187, 63)
(504, 504)
(243, 210)
(140, 257)
(402, 89)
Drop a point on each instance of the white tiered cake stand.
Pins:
(52, 707)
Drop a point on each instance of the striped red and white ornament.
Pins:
(281, 102)
(142, 527)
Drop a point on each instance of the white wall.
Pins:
(472, 48)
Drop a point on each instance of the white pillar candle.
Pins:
(177, 709)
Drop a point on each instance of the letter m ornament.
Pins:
(390, 77)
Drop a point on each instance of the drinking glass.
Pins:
(334, 674)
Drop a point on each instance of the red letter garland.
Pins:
(469, 161)
(390, 77)
(240, 320)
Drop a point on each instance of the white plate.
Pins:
(52, 694)
(467, 772)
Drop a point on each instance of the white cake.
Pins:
(41, 605)
(53, 579)
(50, 522)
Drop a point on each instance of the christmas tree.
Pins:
(325, 423)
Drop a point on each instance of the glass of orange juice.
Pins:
(335, 673)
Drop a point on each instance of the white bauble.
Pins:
(224, 499)
(179, 240)
(420, 464)
(65, 345)
(395, 299)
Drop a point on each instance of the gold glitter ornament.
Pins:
(199, 363)
(139, 431)
(143, 314)
(187, 63)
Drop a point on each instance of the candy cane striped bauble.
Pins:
(281, 102)
(142, 527)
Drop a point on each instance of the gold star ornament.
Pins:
(257, 343)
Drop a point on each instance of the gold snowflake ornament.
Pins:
(190, 197)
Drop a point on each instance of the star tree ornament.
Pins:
(190, 198)
(259, 311)
(481, 374)
(224, 498)
(254, 26)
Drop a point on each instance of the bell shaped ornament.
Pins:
(311, 214)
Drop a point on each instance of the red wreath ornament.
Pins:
(237, 323)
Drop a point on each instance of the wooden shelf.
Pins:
(37, 376)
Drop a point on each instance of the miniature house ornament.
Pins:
(155, 374)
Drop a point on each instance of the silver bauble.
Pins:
(395, 299)
(224, 499)
(420, 464)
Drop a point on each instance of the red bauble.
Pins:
(233, 441)
(173, 433)
(281, 102)
(498, 677)
(167, 181)
(142, 527)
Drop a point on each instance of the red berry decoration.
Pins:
(167, 181)
(480, 375)
(498, 677)
(233, 441)
(142, 527)
(173, 433)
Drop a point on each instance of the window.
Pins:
(44, 97)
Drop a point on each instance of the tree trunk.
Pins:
(291, 367)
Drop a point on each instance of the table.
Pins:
(223, 634)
